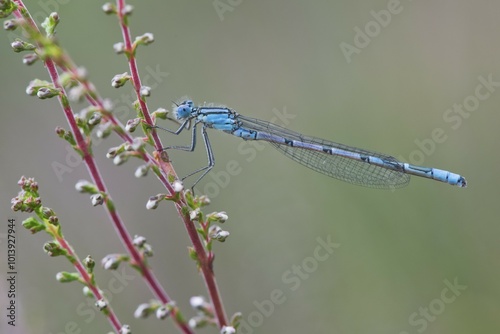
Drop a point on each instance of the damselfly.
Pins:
(350, 164)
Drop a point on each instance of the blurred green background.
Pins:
(397, 253)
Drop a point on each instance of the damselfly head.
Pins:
(184, 109)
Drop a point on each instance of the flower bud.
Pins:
(65, 277)
(119, 47)
(145, 91)
(109, 8)
(145, 39)
(132, 124)
(120, 80)
(101, 304)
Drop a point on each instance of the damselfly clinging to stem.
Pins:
(350, 164)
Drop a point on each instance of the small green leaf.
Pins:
(33, 225)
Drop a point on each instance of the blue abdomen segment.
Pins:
(245, 134)
(436, 174)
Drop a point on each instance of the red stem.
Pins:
(85, 276)
(205, 259)
(97, 179)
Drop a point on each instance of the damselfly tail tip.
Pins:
(462, 182)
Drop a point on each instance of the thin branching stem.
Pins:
(205, 257)
(113, 319)
(93, 170)
(205, 260)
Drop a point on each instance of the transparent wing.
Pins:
(345, 169)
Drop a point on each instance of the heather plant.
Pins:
(68, 83)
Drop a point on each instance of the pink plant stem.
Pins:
(85, 276)
(97, 179)
(204, 260)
